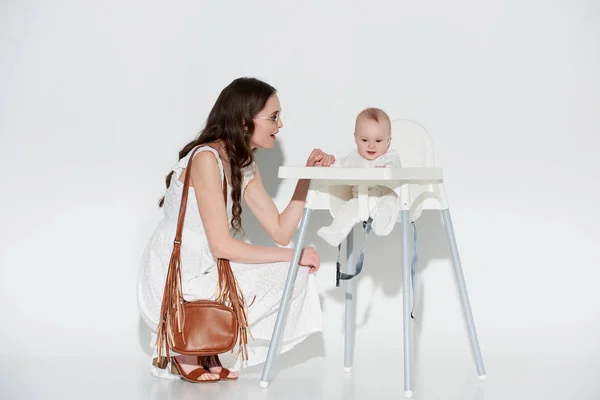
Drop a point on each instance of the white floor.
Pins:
(377, 376)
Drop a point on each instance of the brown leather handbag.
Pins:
(201, 327)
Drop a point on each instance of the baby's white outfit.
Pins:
(384, 204)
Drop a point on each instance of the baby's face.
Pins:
(372, 138)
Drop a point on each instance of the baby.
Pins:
(372, 135)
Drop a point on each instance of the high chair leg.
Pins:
(406, 304)
(464, 296)
(285, 301)
(350, 307)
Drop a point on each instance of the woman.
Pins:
(245, 117)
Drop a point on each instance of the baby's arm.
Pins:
(390, 160)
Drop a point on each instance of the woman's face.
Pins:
(267, 124)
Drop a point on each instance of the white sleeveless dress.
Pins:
(262, 283)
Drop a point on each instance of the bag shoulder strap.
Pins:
(184, 196)
(228, 291)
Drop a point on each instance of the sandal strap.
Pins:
(197, 373)
(224, 373)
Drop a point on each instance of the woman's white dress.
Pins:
(199, 275)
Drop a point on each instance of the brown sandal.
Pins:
(209, 362)
(192, 376)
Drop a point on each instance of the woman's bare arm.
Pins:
(206, 179)
(281, 227)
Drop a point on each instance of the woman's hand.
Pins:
(318, 158)
(310, 258)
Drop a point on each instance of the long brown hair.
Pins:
(234, 110)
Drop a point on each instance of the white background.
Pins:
(97, 98)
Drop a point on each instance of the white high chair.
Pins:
(420, 186)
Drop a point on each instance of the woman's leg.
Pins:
(262, 285)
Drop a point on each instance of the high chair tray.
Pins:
(426, 175)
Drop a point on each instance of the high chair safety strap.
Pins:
(361, 258)
(359, 262)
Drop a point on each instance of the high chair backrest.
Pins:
(412, 141)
